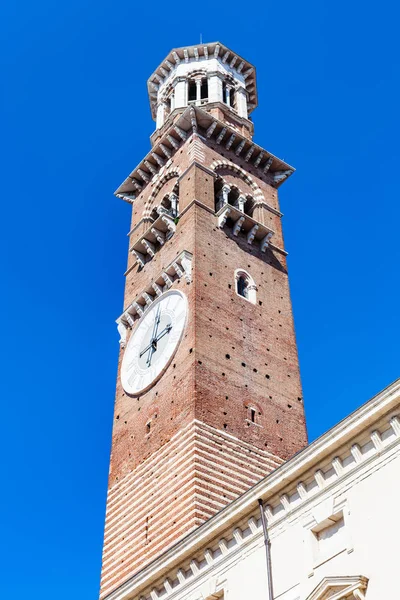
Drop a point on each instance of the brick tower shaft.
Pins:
(227, 408)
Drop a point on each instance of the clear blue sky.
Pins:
(75, 121)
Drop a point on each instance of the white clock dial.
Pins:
(153, 342)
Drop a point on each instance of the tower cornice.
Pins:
(211, 106)
(194, 120)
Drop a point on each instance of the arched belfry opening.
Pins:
(168, 205)
(231, 194)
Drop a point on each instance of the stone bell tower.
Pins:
(225, 407)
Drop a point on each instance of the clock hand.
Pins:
(153, 345)
(151, 348)
(164, 331)
(157, 321)
(145, 350)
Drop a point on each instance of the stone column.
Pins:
(223, 196)
(241, 102)
(215, 88)
(160, 114)
(174, 203)
(198, 91)
(228, 95)
(241, 202)
(181, 93)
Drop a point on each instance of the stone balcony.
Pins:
(161, 230)
(199, 102)
(239, 222)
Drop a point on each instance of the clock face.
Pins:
(153, 342)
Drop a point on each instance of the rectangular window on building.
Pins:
(329, 538)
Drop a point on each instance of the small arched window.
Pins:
(249, 206)
(242, 287)
(245, 286)
(233, 196)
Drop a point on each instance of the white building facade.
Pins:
(332, 515)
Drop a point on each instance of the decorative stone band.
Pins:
(180, 267)
(196, 120)
(360, 449)
(163, 176)
(225, 164)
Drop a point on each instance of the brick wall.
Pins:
(205, 447)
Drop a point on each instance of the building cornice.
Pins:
(195, 120)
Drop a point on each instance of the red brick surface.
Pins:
(203, 449)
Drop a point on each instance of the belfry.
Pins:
(208, 399)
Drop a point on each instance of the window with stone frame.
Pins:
(328, 533)
(245, 286)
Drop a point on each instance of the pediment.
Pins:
(340, 588)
